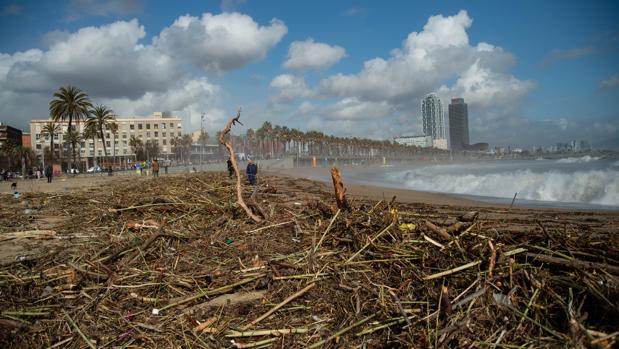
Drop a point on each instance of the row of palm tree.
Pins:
(276, 141)
(13, 155)
(74, 106)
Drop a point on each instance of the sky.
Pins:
(531, 72)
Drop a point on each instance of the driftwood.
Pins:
(239, 187)
(340, 191)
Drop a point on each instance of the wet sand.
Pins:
(374, 192)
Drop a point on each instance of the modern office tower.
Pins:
(458, 124)
(432, 115)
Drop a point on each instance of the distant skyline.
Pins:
(532, 73)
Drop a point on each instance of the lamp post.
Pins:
(201, 139)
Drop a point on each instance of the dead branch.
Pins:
(340, 191)
(239, 187)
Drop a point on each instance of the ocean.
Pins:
(579, 182)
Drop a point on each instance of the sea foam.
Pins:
(592, 187)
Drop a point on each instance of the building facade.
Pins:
(458, 124)
(158, 128)
(8, 133)
(417, 141)
(432, 117)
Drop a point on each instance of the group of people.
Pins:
(251, 171)
(48, 172)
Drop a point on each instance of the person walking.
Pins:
(155, 166)
(252, 171)
(230, 168)
(49, 173)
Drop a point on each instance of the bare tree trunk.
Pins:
(340, 191)
(239, 188)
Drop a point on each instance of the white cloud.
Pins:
(305, 108)
(354, 109)
(610, 83)
(113, 64)
(425, 62)
(287, 88)
(219, 42)
(305, 55)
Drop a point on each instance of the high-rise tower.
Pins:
(432, 114)
(458, 124)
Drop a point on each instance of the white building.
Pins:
(417, 141)
(440, 143)
(156, 128)
(433, 117)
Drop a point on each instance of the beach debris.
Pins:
(187, 268)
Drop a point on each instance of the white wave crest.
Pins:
(585, 158)
(593, 187)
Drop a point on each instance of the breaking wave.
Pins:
(591, 187)
(585, 158)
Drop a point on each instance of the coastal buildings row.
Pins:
(157, 129)
(434, 125)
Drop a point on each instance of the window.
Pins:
(125, 143)
(164, 142)
(55, 136)
(107, 135)
(179, 133)
(82, 144)
(38, 146)
(156, 133)
(163, 125)
(124, 151)
(99, 152)
(132, 127)
(37, 136)
(156, 126)
(148, 126)
(47, 137)
(107, 143)
(148, 134)
(171, 125)
(163, 134)
(124, 135)
(139, 126)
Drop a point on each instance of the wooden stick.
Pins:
(342, 331)
(575, 263)
(440, 231)
(340, 190)
(239, 188)
(275, 308)
(211, 292)
(74, 325)
(326, 231)
(451, 271)
(372, 239)
(492, 259)
(236, 334)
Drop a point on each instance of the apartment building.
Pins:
(159, 128)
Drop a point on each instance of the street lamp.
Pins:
(201, 139)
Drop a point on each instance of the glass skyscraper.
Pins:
(432, 114)
(458, 124)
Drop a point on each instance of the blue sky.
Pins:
(532, 72)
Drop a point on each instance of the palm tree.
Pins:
(136, 145)
(91, 132)
(70, 104)
(50, 130)
(114, 129)
(101, 116)
(186, 143)
(72, 138)
(8, 149)
(26, 156)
